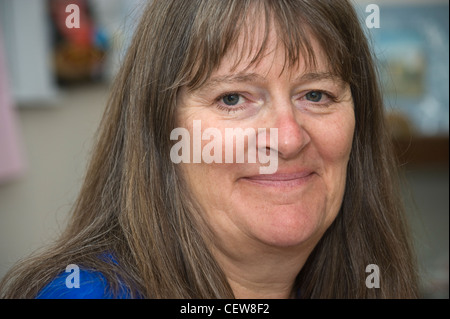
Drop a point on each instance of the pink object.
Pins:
(11, 158)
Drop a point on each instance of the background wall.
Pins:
(56, 120)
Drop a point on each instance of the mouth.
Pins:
(280, 180)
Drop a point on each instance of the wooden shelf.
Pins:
(423, 151)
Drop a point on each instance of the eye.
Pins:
(316, 99)
(314, 96)
(234, 102)
(231, 99)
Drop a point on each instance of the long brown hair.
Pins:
(134, 204)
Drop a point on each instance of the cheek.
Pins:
(334, 139)
(333, 143)
(208, 175)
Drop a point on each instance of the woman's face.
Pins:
(314, 115)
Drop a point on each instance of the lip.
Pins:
(281, 179)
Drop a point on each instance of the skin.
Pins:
(265, 226)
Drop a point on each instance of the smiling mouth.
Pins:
(281, 179)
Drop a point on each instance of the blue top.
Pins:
(80, 284)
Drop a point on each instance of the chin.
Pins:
(286, 240)
(287, 229)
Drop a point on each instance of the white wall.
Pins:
(28, 49)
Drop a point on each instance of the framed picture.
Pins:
(412, 50)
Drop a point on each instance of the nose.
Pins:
(292, 135)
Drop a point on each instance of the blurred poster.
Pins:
(79, 44)
(412, 49)
(404, 64)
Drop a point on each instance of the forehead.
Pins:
(260, 51)
(261, 38)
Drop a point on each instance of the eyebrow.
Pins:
(233, 78)
(317, 76)
(254, 77)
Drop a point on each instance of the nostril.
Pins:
(292, 139)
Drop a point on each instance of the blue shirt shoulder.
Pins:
(80, 284)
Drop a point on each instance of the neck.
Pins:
(262, 273)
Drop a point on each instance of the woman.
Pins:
(145, 226)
